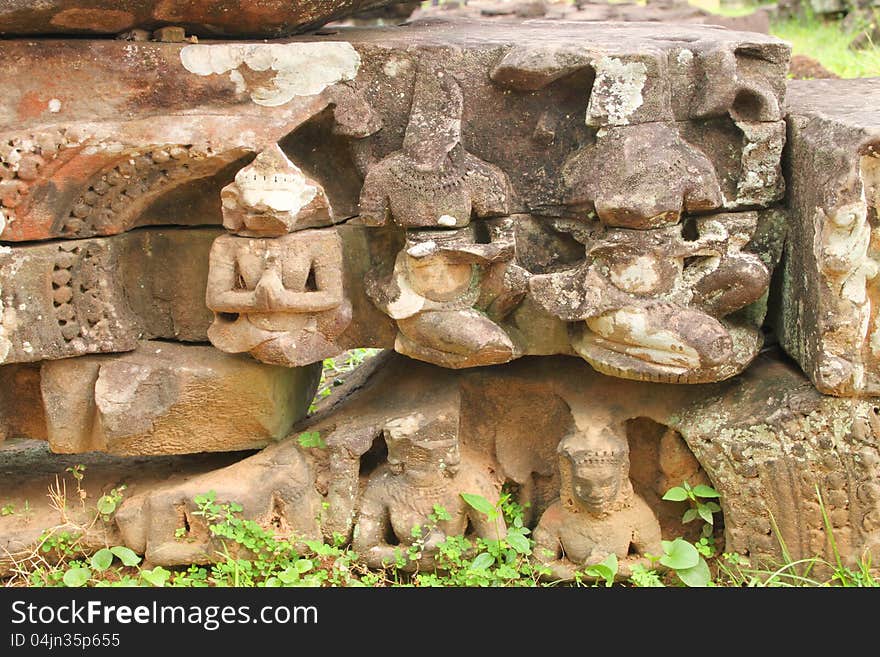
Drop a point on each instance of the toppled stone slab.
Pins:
(71, 298)
(167, 398)
(388, 114)
(28, 472)
(243, 18)
(159, 121)
(828, 315)
(766, 441)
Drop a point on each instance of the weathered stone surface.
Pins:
(275, 488)
(100, 295)
(785, 445)
(764, 440)
(582, 10)
(513, 106)
(168, 398)
(827, 319)
(597, 513)
(159, 119)
(28, 471)
(21, 406)
(653, 304)
(266, 18)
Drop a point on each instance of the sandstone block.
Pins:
(267, 18)
(101, 295)
(828, 315)
(167, 398)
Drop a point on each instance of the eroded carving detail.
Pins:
(641, 176)
(275, 488)
(844, 256)
(450, 290)
(433, 181)
(275, 294)
(425, 468)
(653, 302)
(597, 513)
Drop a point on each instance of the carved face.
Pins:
(596, 485)
(596, 463)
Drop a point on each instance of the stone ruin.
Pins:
(602, 259)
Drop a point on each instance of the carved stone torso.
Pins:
(583, 535)
(409, 505)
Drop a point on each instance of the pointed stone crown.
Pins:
(594, 448)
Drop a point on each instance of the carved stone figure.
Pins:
(653, 302)
(598, 513)
(275, 294)
(828, 311)
(449, 292)
(433, 181)
(272, 197)
(275, 488)
(423, 470)
(641, 176)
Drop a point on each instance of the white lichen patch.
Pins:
(300, 69)
(638, 276)
(408, 301)
(422, 249)
(272, 182)
(617, 91)
(630, 328)
(685, 57)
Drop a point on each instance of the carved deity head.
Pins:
(420, 447)
(594, 468)
(272, 197)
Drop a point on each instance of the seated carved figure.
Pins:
(275, 294)
(433, 181)
(275, 488)
(598, 513)
(448, 294)
(423, 470)
(652, 302)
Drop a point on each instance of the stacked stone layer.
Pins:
(465, 194)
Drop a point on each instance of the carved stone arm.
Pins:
(220, 294)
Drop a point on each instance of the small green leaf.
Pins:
(697, 575)
(106, 505)
(481, 504)
(689, 515)
(705, 514)
(303, 565)
(101, 560)
(126, 556)
(606, 570)
(76, 577)
(518, 541)
(155, 577)
(483, 561)
(311, 439)
(676, 494)
(679, 554)
(705, 491)
(714, 508)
